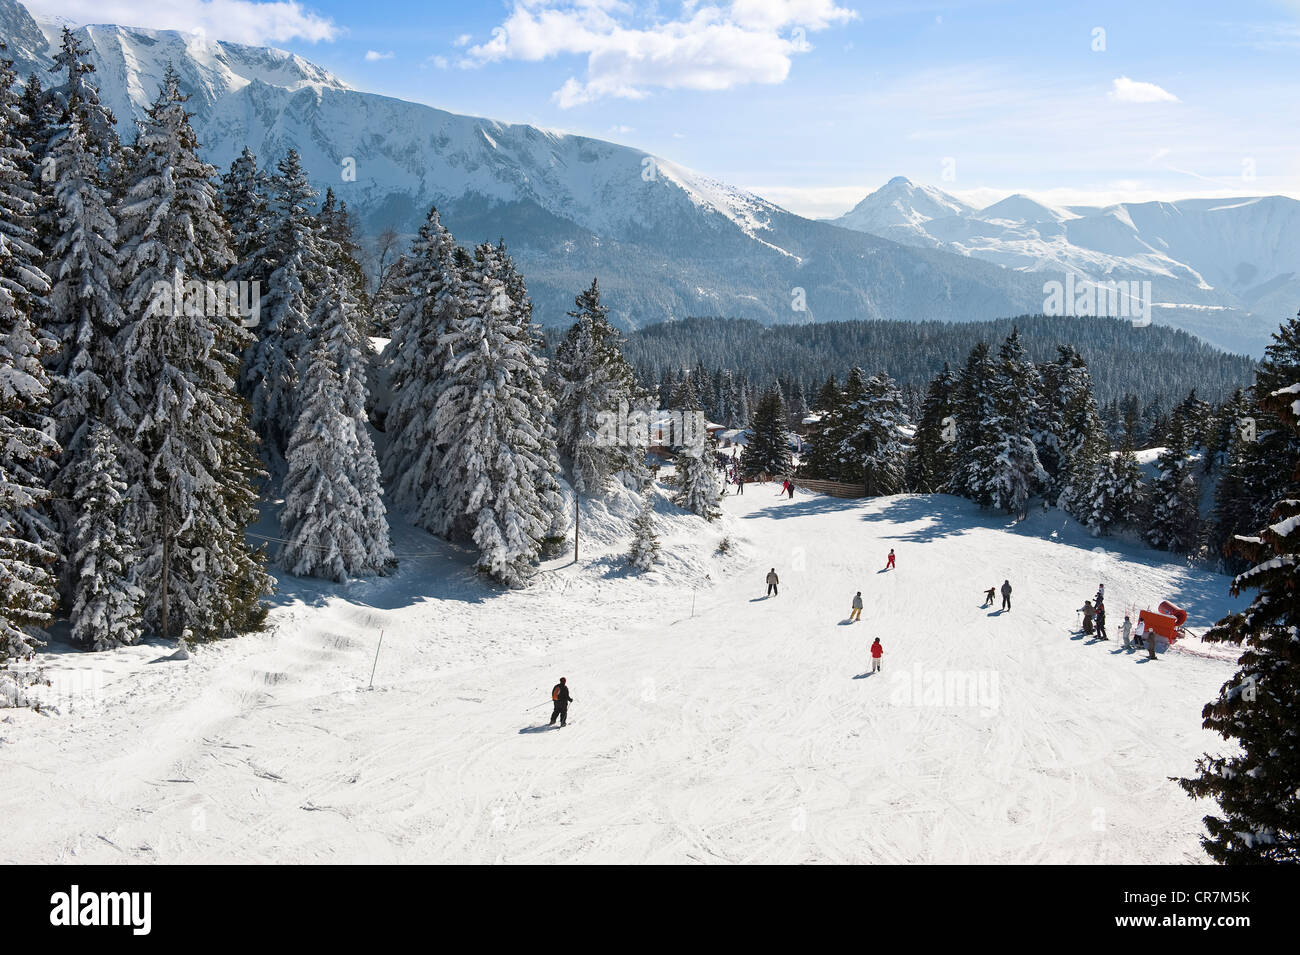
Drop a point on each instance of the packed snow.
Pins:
(709, 725)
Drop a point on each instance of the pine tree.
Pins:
(929, 467)
(645, 543)
(1069, 434)
(84, 314)
(1174, 523)
(976, 421)
(106, 603)
(592, 378)
(187, 450)
(1016, 472)
(27, 594)
(246, 209)
(539, 402)
(484, 418)
(875, 445)
(698, 489)
(768, 450)
(1116, 495)
(270, 369)
(1257, 787)
(430, 310)
(324, 519)
(834, 455)
(334, 516)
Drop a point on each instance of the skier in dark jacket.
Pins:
(561, 698)
(1101, 622)
(1006, 595)
(772, 581)
(988, 597)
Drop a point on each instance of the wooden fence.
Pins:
(829, 488)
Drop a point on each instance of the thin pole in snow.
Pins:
(376, 663)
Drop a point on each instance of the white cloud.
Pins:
(240, 21)
(709, 47)
(463, 40)
(441, 62)
(1125, 90)
(374, 55)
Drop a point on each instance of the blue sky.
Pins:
(814, 103)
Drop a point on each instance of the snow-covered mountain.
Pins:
(666, 242)
(1226, 269)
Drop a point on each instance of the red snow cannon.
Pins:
(1165, 622)
(1178, 613)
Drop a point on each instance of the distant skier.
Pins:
(1101, 622)
(772, 581)
(889, 564)
(1151, 641)
(1101, 593)
(1006, 595)
(790, 485)
(1125, 629)
(785, 485)
(856, 613)
(740, 484)
(988, 596)
(1088, 611)
(560, 697)
(877, 651)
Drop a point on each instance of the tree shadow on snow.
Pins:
(802, 507)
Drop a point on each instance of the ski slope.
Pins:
(748, 732)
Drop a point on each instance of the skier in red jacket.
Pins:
(877, 651)
(890, 563)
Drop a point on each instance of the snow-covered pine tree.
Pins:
(246, 209)
(1068, 433)
(698, 489)
(768, 449)
(335, 327)
(77, 93)
(324, 521)
(340, 251)
(645, 542)
(532, 379)
(977, 426)
(591, 378)
(84, 310)
(874, 445)
(1116, 496)
(106, 602)
(1175, 495)
(929, 467)
(1257, 787)
(1016, 472)
(493, 455)
(270, 369)
(187, 450)
(27, 547)
(417, 355)
(1237, 505)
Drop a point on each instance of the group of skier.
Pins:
(1006, 596)
(1094, 624)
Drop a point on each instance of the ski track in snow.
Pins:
(747, 733)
